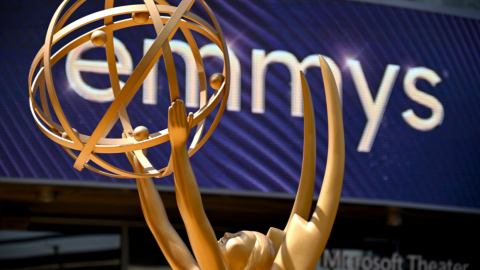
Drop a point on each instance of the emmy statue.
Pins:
(297, 247)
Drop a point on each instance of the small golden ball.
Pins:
(140, 17)
(216, 80)
(98, 38)
(65, 135)
(141, 133)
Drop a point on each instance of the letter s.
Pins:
(422, 98)
(376, 263)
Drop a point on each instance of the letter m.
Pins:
(330, 261)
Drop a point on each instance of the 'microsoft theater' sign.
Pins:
(338, 259)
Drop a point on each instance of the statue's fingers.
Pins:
(175, 114)
(181, 112)
(184, 115)
(180, 109)
(180, 102)
(170, 117)
(190, 120)
(178, 123)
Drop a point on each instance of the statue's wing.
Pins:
(304, 241)
(303, 201)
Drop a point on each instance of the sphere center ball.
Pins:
(98, 38)
(216, 80)
(140, 17)
(141, 133)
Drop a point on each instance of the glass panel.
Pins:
(59, 249)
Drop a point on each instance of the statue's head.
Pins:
(247, 250)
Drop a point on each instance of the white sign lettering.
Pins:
(373, 107)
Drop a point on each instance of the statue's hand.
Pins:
(178, 124)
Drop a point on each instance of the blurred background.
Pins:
(408, 77)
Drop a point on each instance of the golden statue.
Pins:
(297, 247)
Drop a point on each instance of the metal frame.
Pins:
(241, 193)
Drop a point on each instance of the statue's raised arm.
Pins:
(172, 246)
(200, 232)
(245, 250)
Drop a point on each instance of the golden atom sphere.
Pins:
(98, 38)
(140, 133)
(131, 141)
(216, 80)
(140, 17)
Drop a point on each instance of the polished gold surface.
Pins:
(65, 135)
(98, 38)
(216, 80)
(140, 17)
(297, 247)
(305, 240)
(140, 133)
